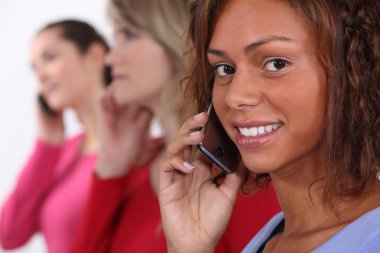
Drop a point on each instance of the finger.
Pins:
(194, 123)
(106, 111)
(203, 171)
(132, 111)
(189, 134)
(169, 167)
(233, 182)
(127, 115)
(106, 101)
(184, 142)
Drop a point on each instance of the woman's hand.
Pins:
(50, 128)
(194, 211)
(122, 131)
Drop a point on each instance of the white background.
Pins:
(19, 21)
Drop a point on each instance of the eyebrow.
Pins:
(251, 47)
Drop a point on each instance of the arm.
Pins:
(122, 129)
(99, 220)
(19, 217)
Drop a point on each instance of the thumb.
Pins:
(233, 182)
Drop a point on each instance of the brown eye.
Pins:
(224, 70)
(276, 64)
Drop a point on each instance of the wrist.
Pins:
(51, 140)
(105, 170)
(192, 249)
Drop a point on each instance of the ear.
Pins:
(96, 54)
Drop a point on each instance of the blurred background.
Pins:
(19, 22)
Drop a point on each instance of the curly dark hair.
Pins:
(349, 49)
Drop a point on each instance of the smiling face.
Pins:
(140, 67)
(270, 87)
(63, 73)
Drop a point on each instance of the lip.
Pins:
(255, 141)
(254, 123)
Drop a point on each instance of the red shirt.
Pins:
(123, 215)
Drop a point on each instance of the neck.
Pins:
(170, 125)
(167, 119)
(297, 189)
(86, 113)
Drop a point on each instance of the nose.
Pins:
(112, 57)
(243, 90)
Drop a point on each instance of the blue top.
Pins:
(362, 235)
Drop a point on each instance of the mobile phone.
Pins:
(45, 106)
(217, 145)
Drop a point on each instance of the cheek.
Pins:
(220, 106)
(219, 93)
(66, 71)
(305, 114)
(157, 69)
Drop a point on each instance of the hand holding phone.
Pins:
(217, 145)
(50, 126)
(45, 106)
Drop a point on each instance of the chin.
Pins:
(259, 167)
(120, 100)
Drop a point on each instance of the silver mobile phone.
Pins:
(217, 146)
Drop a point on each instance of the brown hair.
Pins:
(83, 35)
(349, 48)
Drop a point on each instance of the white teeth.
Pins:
(246, 131)
(261, 130)
(255, 131)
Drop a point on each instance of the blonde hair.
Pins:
(167, 22)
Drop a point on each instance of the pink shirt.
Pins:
(49, 196)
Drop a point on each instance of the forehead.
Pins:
(46, 37)
(252, 20)
(50, 39)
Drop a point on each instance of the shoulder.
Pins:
(359, 236)
(372, 246)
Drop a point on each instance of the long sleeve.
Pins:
(20, 213)
(99, 220)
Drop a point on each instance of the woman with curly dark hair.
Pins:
(296, 86)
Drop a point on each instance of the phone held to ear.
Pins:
(45, 106)
(217, 146)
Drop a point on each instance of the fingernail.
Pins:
(195, 133)
(188, 166)
(198, 115)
